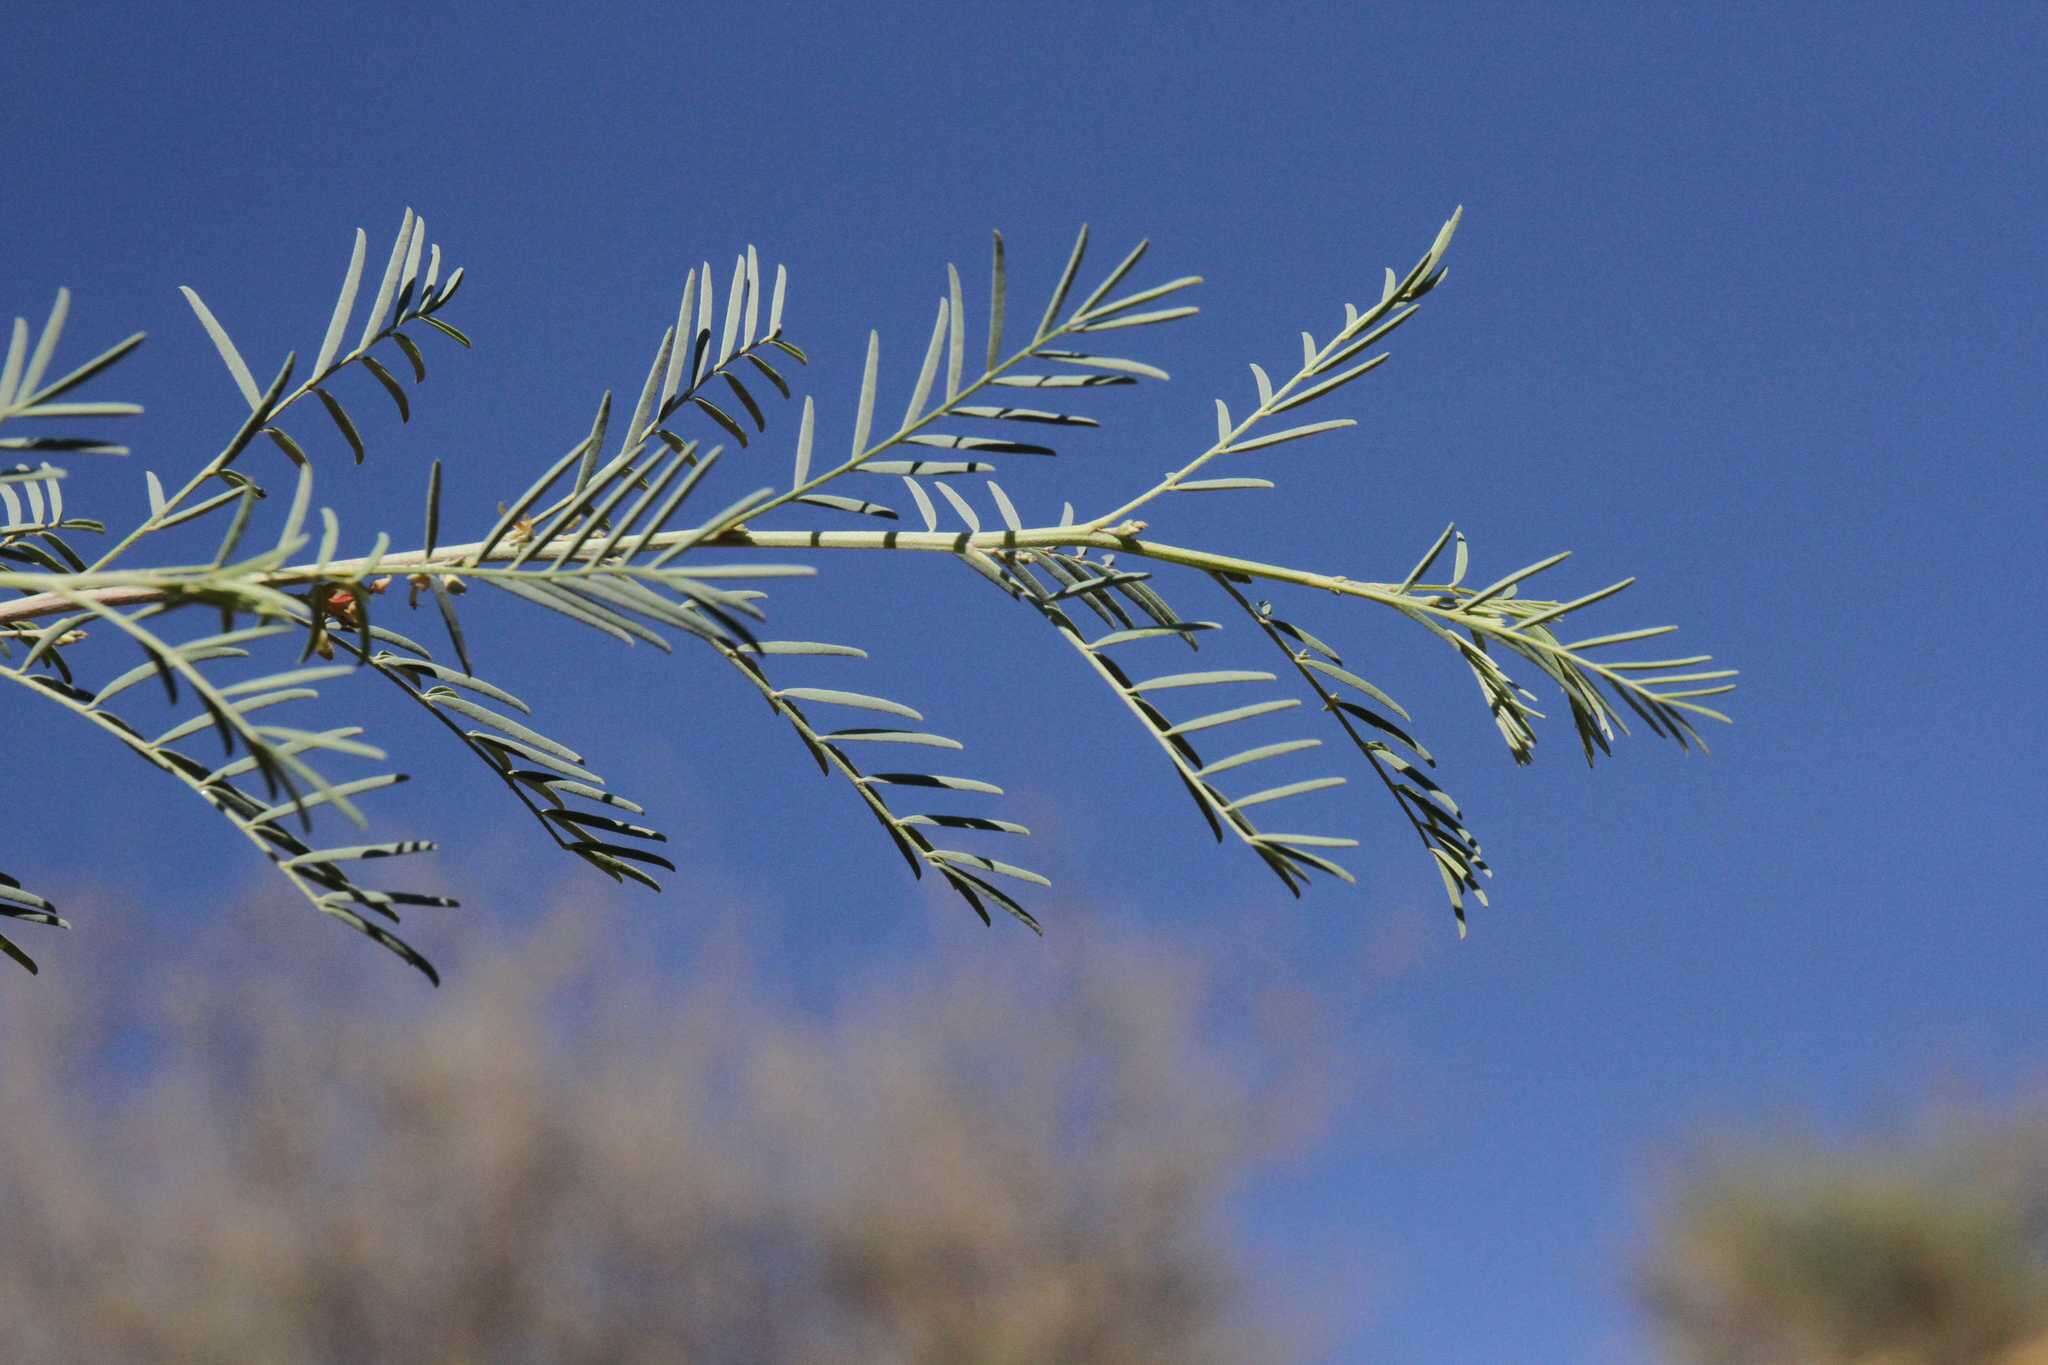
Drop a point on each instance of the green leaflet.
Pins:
(739, 391)
(330, 345)
(858, 700)
(342, 422)
(1066, 282)
(960, 859)
(506, 747)
(1220, 485)
(1350, 679)
(1237, 713)
(25, 397)
(889, 736)
(1080, 586)
(927, 373)
(9, 947)
(958, 784)
(735, 298)
(412, 355)
(859, 506)
(335, 794)
(1061, 381)
(925, 511)
(1115, 277)
(238, 368)
(1308, 840)
(956, 333)
(973, 889)
(997, 291)
(1178, 630)
(1141, 297)
(753, 296)
(769, 373)
(801, 647)
(1291, 434)
(1428, 558)
(373, 323)
(450, 620)
(590, 793)
(390, 385)
(557, 600)
(1263, 751)
(1294, 848)
(803, 444)
(961, 505)
(864, 417)
(1313, 784)
(1621, 637)
(1331, 385)
(357, 851)
(590, 820)
(1037, 415)
(1110, 364)
(975, 822)
(1174, 680)
(1297, 634)
(1140, 319)
(985, 445)
(1549, 614)
(1504, 584)
(447, 700)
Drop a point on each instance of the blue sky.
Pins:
(1746, 302)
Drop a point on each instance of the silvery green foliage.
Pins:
(621, 535)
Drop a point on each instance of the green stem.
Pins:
(132, 588)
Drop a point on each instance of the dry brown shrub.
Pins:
(565, 1157)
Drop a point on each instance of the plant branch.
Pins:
(1437, 603)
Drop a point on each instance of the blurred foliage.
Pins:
(576, 1158)
(1930, 1249)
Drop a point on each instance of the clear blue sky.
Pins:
(1747, 301)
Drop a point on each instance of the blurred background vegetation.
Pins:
(265, 1153)
(573, 1153)
(1927, 1247)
